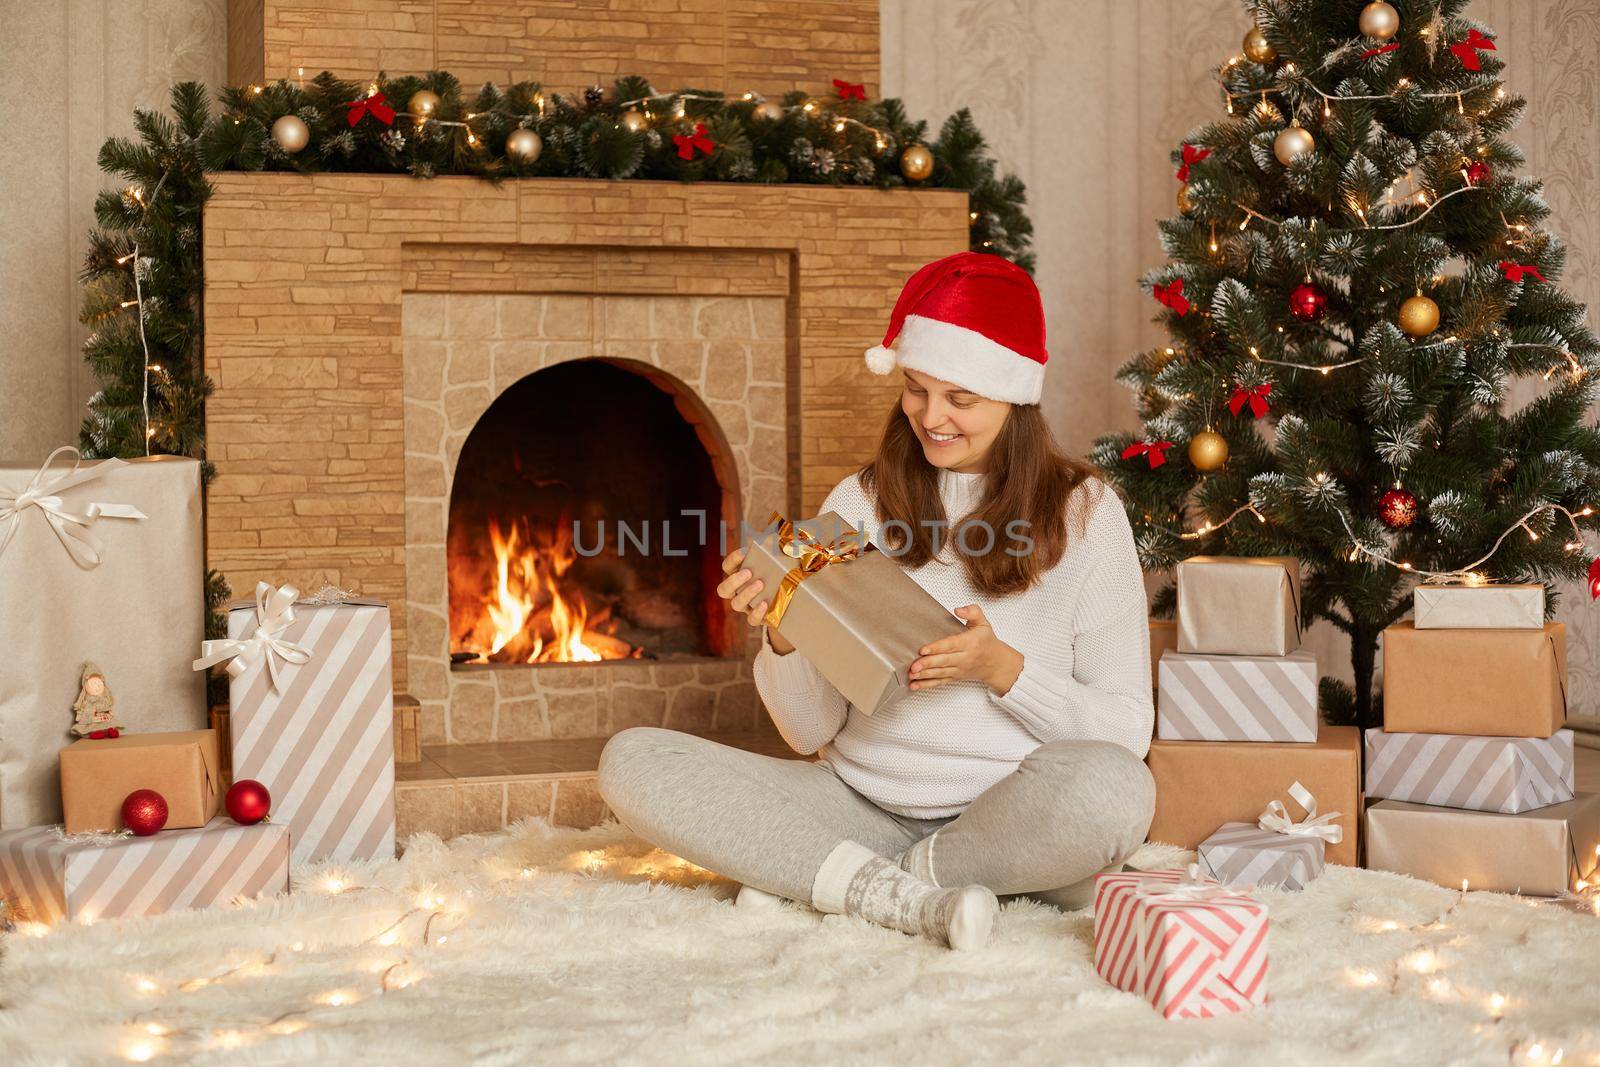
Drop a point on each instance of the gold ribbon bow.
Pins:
(812, 553)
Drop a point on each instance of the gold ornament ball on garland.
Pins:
(1256, 46)
(916, 162)
(424, 104)
(1208, 450)
(633, 121)
(1380, 20)
(770, 110)
(1419, 316)
(1292, 143)
(524, 145)
(291, 133)
(1185, 205)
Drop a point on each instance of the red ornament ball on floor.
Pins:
(1479, 174)
(1308, 302)
(1397, 509)
(248, 802)
(144, 812)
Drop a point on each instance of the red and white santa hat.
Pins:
(971, 319)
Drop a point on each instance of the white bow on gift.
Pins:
(1276, 818)
(1193, 884)
(274, 613)
(43, 492)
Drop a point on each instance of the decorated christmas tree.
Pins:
(1360, 286)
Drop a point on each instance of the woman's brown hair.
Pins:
(1031, 480)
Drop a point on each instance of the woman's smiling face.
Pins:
(956, 426)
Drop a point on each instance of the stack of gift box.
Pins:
(113, 549)
(1471, 776)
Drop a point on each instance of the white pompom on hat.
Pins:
(974, 320)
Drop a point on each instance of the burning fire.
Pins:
(532, 614)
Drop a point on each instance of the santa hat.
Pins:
(974, 320)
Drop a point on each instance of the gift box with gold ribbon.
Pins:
(845, 605)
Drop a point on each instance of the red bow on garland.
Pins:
(1156, 450)
(687, 142)
(1515, 271)
(1467, 51)
(1369, 53)
(1172, 296)
(373, 105)
(1256, 398)
(1191, 156)
(850, 90)
(1594, 580)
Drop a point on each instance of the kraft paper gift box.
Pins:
(1193, 949)
(846, 606)
(97, 776)
(311, 710)
(1543, 852)
(1275, 851)
(86, 580)
(1202, 784)
(48, 878)
(1478, 607)
(1163, 636)
(1493, 683)
(1239, 605)
(1506, 774)
(1237, 698)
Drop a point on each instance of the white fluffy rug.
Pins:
(557, 946)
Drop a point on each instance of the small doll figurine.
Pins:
(93, 708)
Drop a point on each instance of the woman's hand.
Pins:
(740, 589)
(976, 654)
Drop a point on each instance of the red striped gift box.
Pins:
(1192, 948)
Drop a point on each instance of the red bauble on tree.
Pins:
(1397, 508)
(1479, 174)
(248, 802)
(1308, 302)
(144, 812)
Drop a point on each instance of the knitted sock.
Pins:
(918, 859)
(857, 881)
(757, 899)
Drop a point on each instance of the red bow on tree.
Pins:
(1172, 296)
(850, 90)
(1156, 450)
(1467, 51)
(1191, 156)
(1594, 580)
(1256, 398)
(373, 105)
(688, 142)
(1369, 53)
(1515, 271)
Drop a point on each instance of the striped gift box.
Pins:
(1242, 853)
(1237, 698)
(320, 735)
(48, 878)
(1193, 950)
(1504, 774)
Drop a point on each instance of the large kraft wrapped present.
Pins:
(1478, 607)
(1542, 853)
(97, 776)
(846, 606)
(311, 700)
(99, 562)
(46, 877)
(1487, 683)
(1239, 605)
(1192, 948)
(1277, 850)
(1163, 638)
(1237, 698)
(1202, 784)
(1507, 774)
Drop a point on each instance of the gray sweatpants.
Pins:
(1070, 810)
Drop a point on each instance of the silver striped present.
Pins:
(1504, 774)
(46, 877)
(1241, 853)
(313, 719)
(1237, 698)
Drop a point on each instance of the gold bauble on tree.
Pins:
(424, 104)
(633, 121)
(1257, 47)
(1185, 205)
(291, 133)
(1419, 316)
(524, 145)
(1208, 450)
(916, 162)
(1293, 142)
(1380, 20)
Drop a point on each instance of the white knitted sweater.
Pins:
(1084, 636)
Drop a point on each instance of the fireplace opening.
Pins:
(568, 539)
